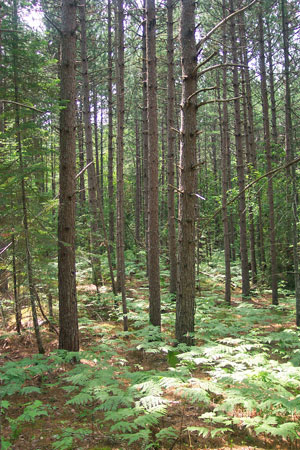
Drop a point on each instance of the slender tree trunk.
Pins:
(18, 311)
(145, 139)
(92, 178)
(171, 151)
(249, 136)
(120, 161)
(96, 140)
(268, 151)
(225, 150)
(110, 132)
(23, 189)
(137, 185)
(80, 139)
(153, 253)
(240, 162)
(185, 303)
(68, 321)
(271, 84)
(289, 148)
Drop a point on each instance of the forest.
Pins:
(149, 225)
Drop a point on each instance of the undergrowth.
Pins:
(242, 375)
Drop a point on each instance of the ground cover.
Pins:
(237, 388)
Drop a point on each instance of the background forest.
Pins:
(149, 224)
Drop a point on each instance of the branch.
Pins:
(52, 23)
(217, 66)
(217, 100)
(222, 22)
(23, 105)
(200, 90)
(206, 60)
(84, 169)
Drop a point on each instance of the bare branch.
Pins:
(219, 100)
(217, 66)
(200, 90)
(22, 105)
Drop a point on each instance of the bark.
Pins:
(289, 149)
(18, 310)
(153, 251)
(80, 138)
(272, 84)
(110, 131)
(249, 135)
(171, 150)
(145, 139)
(92, 178)
(23, 188)
(185, 302)
(225, 155)
(68, 321)
(240, 162)
(120, 162)
(268, 152)
(138, 185)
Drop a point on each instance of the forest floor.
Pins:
(153, 395)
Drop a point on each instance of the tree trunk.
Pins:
(120, 161)
(153, 253)
(23, 189)
(185, 303)
(225, 155)
(145, 140)
(92, 178)
(171, 151)
(137, 185)
(289, 148)
(268, 151)
(240, 162)
(68, 322)
(111, 227)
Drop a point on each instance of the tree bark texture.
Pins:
(153, 251)
(268, 152)
(68, 321)
(240, 161)
(185, 303)
(171, 150)
(120, 161)
(92, 177)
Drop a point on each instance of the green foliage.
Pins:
(65, 440)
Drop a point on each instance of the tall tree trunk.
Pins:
(249, 133)
(145, 139)
(111, 204)
(120, 161)
(240, 162)
(271, 84)
(137, 185)
(32, 290)
(68, 321)
(225, 155)
(268, 151)
(171, 151)
(92, 178)
(185, 303)
(289, 148)
(80, 139)
(153, 252)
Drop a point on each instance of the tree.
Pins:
(68, 321)
(120, 160)
(185, 302)
(153, 250)
(171, 151)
